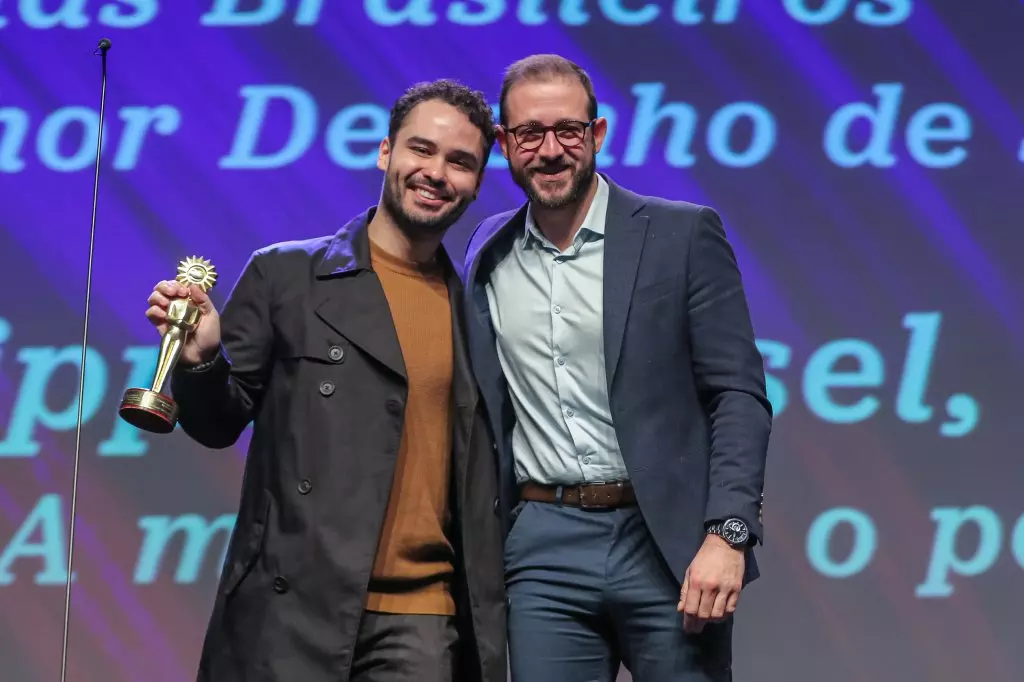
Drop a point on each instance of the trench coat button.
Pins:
(336, 353)
(394, 407)
(280, 585)
(326, 388)
(305, 486)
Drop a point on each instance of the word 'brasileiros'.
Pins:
(127, 14)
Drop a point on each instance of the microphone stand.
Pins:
(101, 50)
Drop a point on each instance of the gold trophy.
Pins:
(150, 409)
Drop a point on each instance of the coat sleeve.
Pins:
(729, 374)
(217, 400)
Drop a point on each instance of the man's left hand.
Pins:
(711, 587)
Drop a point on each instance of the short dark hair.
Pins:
(541, 67)
(470, 102)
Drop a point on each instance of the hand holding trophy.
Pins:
(177, 309)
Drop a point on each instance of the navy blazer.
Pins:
(686, 381)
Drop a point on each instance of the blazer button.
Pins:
(305, 486)
(336, 353)
(280, 585)
(326, 388)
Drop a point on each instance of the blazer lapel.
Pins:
(625, 234)
(356, 308)
(351, 300)
(476, 253)
(481, 331)
(479, 327)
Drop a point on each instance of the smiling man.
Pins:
(366, 547)
(611, 338)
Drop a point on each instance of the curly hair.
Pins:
(470, 102)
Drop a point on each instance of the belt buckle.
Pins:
(585, 504)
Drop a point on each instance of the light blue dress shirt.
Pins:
(547, 310)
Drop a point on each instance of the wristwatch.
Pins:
(732, 530)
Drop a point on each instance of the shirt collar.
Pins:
(594, 222)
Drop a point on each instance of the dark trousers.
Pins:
(405, 648)
(588, 591)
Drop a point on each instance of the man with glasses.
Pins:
(611, 337)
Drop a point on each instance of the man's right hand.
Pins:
(204, 343)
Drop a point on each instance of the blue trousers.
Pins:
(588, 591)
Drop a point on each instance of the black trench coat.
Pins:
(311, 355)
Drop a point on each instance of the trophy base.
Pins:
(148, 410)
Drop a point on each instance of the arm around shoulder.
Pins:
(218, 399)
(729, 374)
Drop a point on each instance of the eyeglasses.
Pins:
(530, 136)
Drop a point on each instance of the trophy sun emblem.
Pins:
(197, 270)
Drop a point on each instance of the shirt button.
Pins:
(305, 486)
(561, 361)
(557, 309)
(586, 460)
(326, 388)
(569, 412)
(280, 585)
(394, 407)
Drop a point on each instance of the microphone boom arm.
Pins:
(101, 49)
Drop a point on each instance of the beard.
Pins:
(570, 194)
(417, 224)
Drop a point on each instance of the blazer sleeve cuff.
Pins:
(749, 514)
(188, 377)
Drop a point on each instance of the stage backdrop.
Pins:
(866, 156)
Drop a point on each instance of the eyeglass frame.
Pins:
(552, 129)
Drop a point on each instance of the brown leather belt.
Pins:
(585, 496)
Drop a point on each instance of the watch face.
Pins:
(735, 532)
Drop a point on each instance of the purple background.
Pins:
(827, 252)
